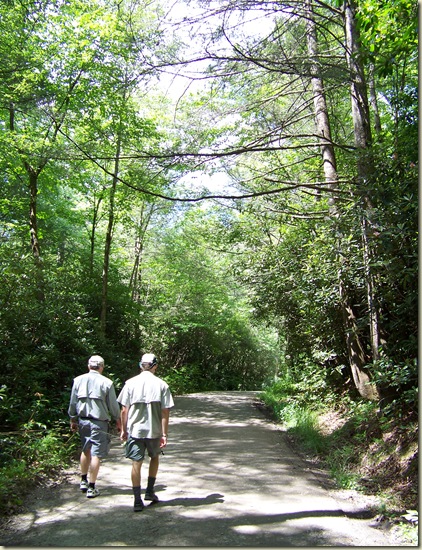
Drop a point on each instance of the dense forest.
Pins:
(229, 184)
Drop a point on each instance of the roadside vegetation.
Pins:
(364, 449)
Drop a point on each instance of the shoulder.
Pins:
(162, 383)
(106, 380)
(132, 381)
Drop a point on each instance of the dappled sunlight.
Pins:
(227, 478)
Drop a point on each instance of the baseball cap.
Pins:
(148, 358)
(96, 361)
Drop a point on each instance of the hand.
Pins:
(163, 441)
(123, 435)
(73, 425)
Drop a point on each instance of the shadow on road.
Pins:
(228, 478)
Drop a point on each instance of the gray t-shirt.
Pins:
(145, 395)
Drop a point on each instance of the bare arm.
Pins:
(123, 421)
(165, 417)
(72, 411)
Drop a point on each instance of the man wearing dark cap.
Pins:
(146, 402)
(92, 406)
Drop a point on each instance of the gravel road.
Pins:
(228, 478)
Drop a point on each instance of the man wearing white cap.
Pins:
(92, 406)
(146, 402)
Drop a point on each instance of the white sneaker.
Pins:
(92, 492)
(84, 486)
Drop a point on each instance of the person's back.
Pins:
(92, 406)
(146, 401)
(92, 396)
(147, 395)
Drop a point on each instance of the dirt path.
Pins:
(228, 478)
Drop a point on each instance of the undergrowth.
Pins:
(361, 449)
(31, 456)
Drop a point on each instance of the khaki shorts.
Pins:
(135, 448)
(94, 436)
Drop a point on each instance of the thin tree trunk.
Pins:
(322, 120)
(33, 174)
(33, 219)
(96, 209)
(134, 278)
(109, 239)
(139, 247)
(33, 229)
(373, 101)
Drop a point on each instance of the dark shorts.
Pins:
(95, 436)
(135, 448)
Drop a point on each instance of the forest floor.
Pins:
(229, 477)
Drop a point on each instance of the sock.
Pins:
(92, 485)
(137, 493)
(84, 477)
(151, 483)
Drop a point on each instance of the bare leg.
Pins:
(94, 467)
(153, 466)
(136, 485)
(136, 473)
(85, 461)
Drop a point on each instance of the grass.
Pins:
(13, 480)
(360, 450)
(29, 457)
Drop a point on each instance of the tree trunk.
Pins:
(96, 209)
(109, 239)
(322, 121)
(134, 278)
(363, 142)
(356, 353)
(33, 219)
(33, 229)
(373, 101)
(357, 356)
(144, 220)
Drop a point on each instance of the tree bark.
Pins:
(373, 102)
(356, 353)
(33, 229)
(322, 120)
(96, 209)
(363, 142)
(109, 238)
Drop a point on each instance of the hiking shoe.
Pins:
(138, 506)
(150, 495)
(84, 486)
(92, 492)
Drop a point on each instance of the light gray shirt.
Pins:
(145, 395)
(93, 396)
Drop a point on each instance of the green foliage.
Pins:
(186, 379)
(198, 320)
(13, 479)
(302, 423)
(402, 381)
(29, 456)
(340, 462)
(227, 294)
(298, 409)
(360, 449)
